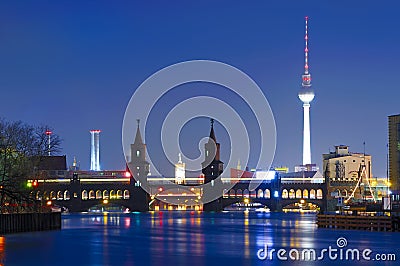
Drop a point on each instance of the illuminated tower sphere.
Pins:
(306, 95)
(95, 150)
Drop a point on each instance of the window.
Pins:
(137, 153)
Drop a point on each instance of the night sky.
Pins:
(75, 64)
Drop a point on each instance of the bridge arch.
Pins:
(106, 194)
(84, 195)
(285, 194)
(53, 195)
(91, 195)
(112, 194)
(60, 195)
(298, 194)
(305, 193)
(319, 194)
(245, 193)
(67, 195)
(292, 194)
(312, 194)
(119, 194)
(260, 194)
(239, 193)
(267, 194)
(126, 194)
(99, 195)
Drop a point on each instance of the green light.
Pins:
(29, 184)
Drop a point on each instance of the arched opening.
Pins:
(305, 193)
(312, 194)
(344, 194)
(239, 193)
(67, 196)
(126, 194)
(285, 194)
(246, 193)
(38, 195)
(225, 193)
(53, 195)
(253, 194)
(84, 195)
(260, 194)
(106, 195)
(119, 194)
(60, 195)
(45, 195)
(298, 194)
(112, 194)
(98, 194)
(91, 194)
(231, 193)
(319, 194)
(267, 194)
(291, 194)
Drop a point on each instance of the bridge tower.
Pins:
(138, 164)
(139, 169)
(212, 167)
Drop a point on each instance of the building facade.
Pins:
(394, 151)
(348, 175)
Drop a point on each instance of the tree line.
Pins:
(22, 148)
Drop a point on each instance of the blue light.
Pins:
(276, 194)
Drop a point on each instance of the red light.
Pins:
(306, 17)
(35, 183)
(127, 174)
(48, 132)
(160, 189)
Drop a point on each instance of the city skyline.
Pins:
(84, 67)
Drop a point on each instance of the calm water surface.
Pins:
(189, 238)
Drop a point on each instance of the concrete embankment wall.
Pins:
(29, 222)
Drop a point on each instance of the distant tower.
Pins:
(306, 95)
(95, 150)
(138, 165)
(180, 171)
(48, 134)
(215, 168)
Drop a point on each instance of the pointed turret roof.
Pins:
(138, 138)
(212, 134)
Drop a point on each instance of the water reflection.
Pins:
(2, 249)
(177, 238)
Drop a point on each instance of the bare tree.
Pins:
(22, 148)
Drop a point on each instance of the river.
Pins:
(197, 238)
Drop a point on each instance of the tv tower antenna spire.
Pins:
(306, 78)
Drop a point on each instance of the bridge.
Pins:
(78, 191)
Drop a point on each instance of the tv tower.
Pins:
(306, 95)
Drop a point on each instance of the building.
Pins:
(180, 174)
(306, 95)
(212, 167)
(394, 151)
(95, 150)
(348, 174)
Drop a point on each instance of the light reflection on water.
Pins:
(179, 238)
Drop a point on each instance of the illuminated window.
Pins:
(137, 153)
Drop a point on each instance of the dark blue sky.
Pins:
(75, 65)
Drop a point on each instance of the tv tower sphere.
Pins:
(306, 95)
